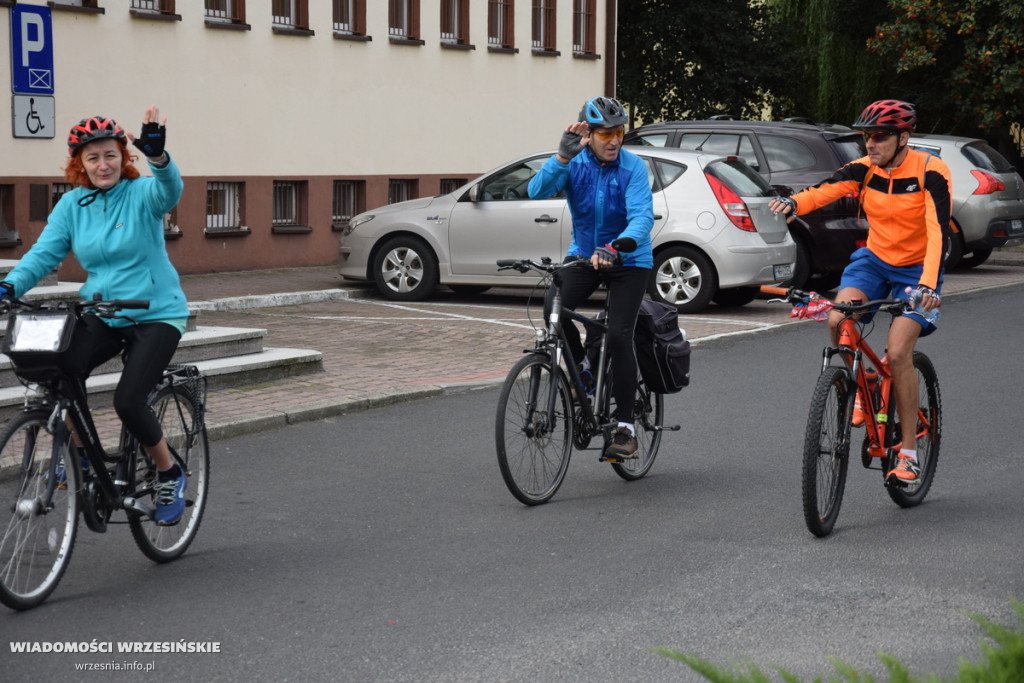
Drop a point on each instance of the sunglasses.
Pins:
(879, 136)
(607, 133)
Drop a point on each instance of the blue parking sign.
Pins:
(31, 50)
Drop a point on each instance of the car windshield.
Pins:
(984, 157)
(849, 148)
(740, 178)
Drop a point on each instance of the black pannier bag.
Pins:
(662, 352)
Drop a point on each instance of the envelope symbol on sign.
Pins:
(39, 78)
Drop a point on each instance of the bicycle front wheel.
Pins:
(186, 435)
(38, 510)
(826, 450)
(927, 432)
(533, 445)
(648, 415)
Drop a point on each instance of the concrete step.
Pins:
(268, 365)
(204, 343)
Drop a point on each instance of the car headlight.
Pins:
(356, 222)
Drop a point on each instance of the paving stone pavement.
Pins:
(377, 351)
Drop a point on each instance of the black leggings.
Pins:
(626, 287)
(148, 349)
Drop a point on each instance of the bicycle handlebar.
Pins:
(102, 308)
(797, 296)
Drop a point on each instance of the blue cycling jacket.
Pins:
(607, 201)
(118, 238)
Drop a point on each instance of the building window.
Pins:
(7, 234)
(455, 22)
(349, 200)
(401, 190)
(290, 16)
(58, 191)
(449, 185)
(584, 27)
(501, 25)
(544, 25)
(78, 6)
(229, 12)
(404, 21)
(289, 210)
(158, 8)
(224, 203)
(350, 18)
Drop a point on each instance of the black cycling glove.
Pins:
(569, 146)
(152, 139)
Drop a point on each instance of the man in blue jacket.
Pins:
(609, 196)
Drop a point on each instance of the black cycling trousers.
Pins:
(626, 287)
(148, 348)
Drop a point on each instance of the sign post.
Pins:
(32, 104)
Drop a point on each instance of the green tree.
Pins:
(695, 59)
(963, 60)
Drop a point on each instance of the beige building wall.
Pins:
(251, 106)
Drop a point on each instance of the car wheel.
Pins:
(975, 258)
(469, 290)
(735, 296)
(802, 267)
(683, 277)
(954, 250)
(405, 269)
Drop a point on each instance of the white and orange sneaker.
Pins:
(906, 470)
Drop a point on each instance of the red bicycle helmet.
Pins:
(91, 129)
(893, 114)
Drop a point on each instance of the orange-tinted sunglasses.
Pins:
(607, 133)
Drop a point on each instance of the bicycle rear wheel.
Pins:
(533, 447)
(826, 450)
(928, 432)
(38, 510)
(176, 409)
(648, 415)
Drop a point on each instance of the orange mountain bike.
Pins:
(830, 421)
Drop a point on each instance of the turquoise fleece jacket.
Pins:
(118, 238)
(607, 201)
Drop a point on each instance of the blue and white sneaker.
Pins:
(170, 500)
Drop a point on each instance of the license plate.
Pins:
(1017, 225)
(783, 272)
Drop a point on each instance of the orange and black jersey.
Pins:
(906, 221)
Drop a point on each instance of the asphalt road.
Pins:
(383, 545)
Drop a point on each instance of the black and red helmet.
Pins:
(892, 114)
(91, 129)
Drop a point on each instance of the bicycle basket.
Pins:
(36, 341)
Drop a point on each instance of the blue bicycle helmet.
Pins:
(603, 112)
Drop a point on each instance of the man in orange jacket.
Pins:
(906, 198)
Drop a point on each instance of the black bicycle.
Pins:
(546, 408)
(43, 484)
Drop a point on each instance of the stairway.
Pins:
(228, 356)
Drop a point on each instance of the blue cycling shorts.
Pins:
(879, 280)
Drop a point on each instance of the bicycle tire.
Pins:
(928, 437)
(648, 416)
(533, 456)
(826, 450)
(176, 409)
(35, 543)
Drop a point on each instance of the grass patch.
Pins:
(1002, 661)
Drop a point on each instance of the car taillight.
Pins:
(987, 183)
(731, 203)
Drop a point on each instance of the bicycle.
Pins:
(539, 421)
(44, 487)
(830, 420)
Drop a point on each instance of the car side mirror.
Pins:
(474, 193)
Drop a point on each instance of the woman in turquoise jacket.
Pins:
(610, 199)
(113, 222)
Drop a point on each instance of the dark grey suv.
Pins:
(790, 155)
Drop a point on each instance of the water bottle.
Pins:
(914, 296)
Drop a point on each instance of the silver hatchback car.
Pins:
(988, 197)
(713, 237)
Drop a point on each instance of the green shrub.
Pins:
(1002, 662)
